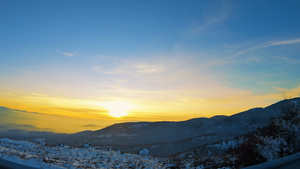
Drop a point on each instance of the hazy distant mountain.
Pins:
(13, 119)
(26, 127)
(163, 138)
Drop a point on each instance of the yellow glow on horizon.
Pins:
(118, 109)
(67, 114)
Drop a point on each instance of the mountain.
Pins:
(168, 138)
(26, 127)
(163, 138)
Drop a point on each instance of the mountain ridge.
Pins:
(166, 137)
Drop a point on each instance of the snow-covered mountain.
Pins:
(162, 138)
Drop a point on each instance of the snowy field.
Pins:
(40, 155)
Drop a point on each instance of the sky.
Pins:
(101, 62)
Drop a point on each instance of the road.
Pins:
(289, 162)
(4, 164)
(293, 165)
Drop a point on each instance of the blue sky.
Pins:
(203, 57)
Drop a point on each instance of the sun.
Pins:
(118, 109)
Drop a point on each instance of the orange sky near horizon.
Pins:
(70, 115)
(85, 65)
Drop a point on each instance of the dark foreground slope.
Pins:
(163, 138)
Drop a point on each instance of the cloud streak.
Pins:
(283, 42)
(266, 45)
(65, 53)
(213, 17)
(289, 60)
(133, 68)
(145, 68)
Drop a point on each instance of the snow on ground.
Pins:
(40, 155)
(43, 156)
(225, 145)
(32, 162)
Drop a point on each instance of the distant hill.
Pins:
(26, 127)
(163, 138)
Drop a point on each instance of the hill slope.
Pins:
(163, 138)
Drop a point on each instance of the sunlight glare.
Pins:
(118, 109)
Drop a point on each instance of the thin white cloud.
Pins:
(289, 60)
(253, 58)
(132, 68)
(283, 42)
(277, 82)
(213, 16)
(269, 44)
(65, 53)
(148, 68)
(100, 69)
(265, 83)
(243, 52)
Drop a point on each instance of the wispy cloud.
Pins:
(146, 68)
(265, 83)
(100, 69)
(283, 42)
(65, 53)
(287, 59)
(132, 68)
(213, 16)
(265, 45)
